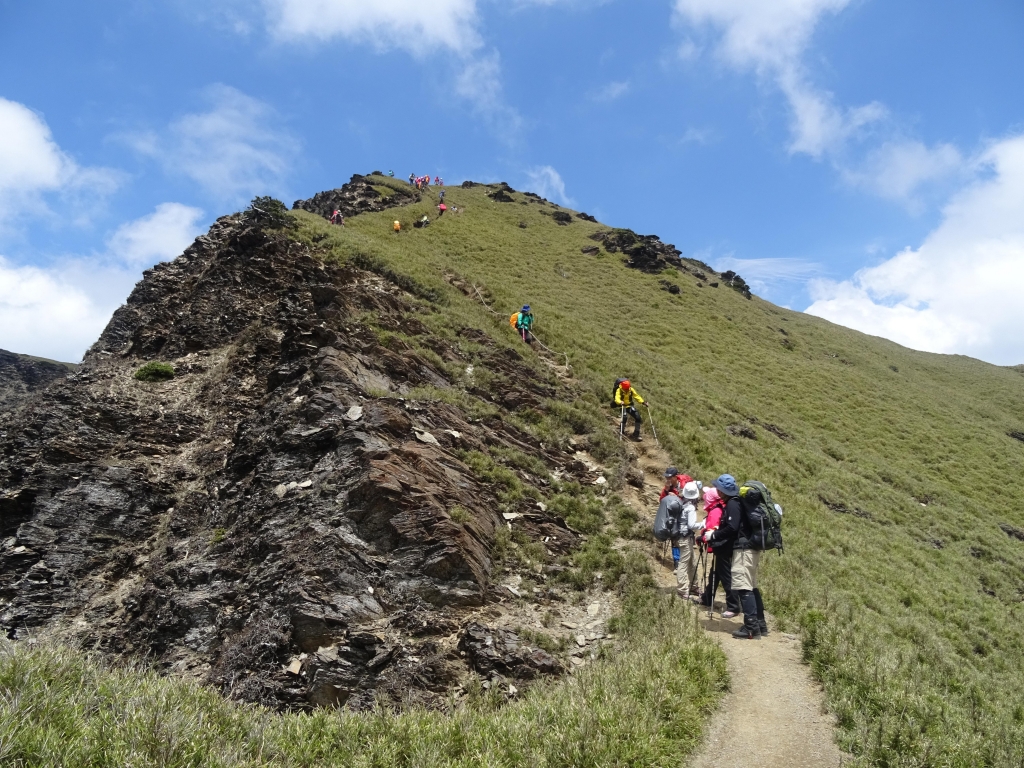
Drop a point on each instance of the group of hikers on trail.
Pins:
(422, 182)
(739, 523)
(337, 217)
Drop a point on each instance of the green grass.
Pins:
(911, 613)
(644, 707)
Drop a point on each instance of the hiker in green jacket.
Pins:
(524, 323)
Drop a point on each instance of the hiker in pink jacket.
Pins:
(714, 507)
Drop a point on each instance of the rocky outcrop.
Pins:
(277, 519)
(22, 375)
(360, 195)
(644, 252)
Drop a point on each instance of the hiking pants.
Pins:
(686, 565)
(524, 334)
(722, 574)
(635, 413)
(753, 611)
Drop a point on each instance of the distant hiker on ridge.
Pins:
(338, 217)
(628, 398)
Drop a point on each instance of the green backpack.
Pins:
(765, 516)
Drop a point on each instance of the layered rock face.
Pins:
(21, 376)
(358, 196)
(277, 518)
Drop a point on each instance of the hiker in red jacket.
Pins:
(674, 483)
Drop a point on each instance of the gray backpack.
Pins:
(667, 521)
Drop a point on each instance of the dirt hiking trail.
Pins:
(774, 713)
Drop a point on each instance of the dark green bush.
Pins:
(155, 371)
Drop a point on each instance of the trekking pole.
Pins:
(711, 597)
(622, 422)
(652, 425)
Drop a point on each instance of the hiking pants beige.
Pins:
(745, 564)
(686, 571)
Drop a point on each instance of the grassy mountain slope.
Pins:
(904, 561)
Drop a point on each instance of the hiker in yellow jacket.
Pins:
(628, 398)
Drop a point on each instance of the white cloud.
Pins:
(898, 169)
(766, 273)
(160, 236)
(59, 311)
(770, 38)
(479, 83)
(233, 151)
(417, 26)
(612, 91)
(548, 183)
(33, 165)
(956, 292)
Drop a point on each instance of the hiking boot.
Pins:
(683, 593)
(763, 627)
(696, 599)
(746, 633)
(730, 614)
(637, 439)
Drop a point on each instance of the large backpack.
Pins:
(616, 389)
(514, 319)
(765, 516)
(669, 520)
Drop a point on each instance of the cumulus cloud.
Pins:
(954, 293)
(234, 150)
(417, 26)
(898, 169)
(33, 165)
(59, 311)
(548, 183)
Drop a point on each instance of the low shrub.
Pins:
(155, 371)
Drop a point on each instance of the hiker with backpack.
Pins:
(721, 555)
(522, 321)
(751, 521)
(674, 483)
(628, 398)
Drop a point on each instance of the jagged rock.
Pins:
(591, 250)
(645, 252)
(586, 217)
(736, 282)
(561, 218)
(270, 500)
(22, 375)
(501, 194)
(670, 287)
(503, 651)
(357, 196)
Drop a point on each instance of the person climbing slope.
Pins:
(736, 529)
(441, 208)
(522, 321)
(721, 573)
(628, 398)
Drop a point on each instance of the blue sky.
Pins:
(858, 159)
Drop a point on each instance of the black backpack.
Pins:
(616, 389)
(765, 516)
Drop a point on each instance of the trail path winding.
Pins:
(774, 714)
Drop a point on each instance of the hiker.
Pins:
(628, 398)
(338, 217)
(412, 178)
(426, 181)
(522, 321)
(674, 483)
(425, 220)
(437, 181)
(682, 544)
(441, 208)
(714, 506)
(441, 196)
(391, 174)
(735, 530)
(398, 226)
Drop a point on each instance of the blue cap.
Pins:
(726, 485)
(526, 307)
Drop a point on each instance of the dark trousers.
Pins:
(753, 611)
(637, 420)
(722, 574)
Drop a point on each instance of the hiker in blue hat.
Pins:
(735, 531)
(523, 322)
